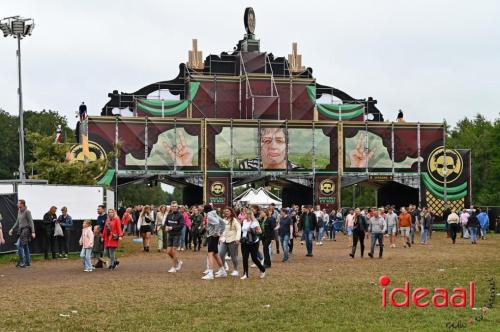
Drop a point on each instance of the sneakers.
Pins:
(262, 275)
(172, 270)
(321, 243)
(179, 265)
(221, 274)
(317, 243)
(226, 267)
(206, 271)
(208, 276)
(65, 256)
(253, 265)
(227, 258)
(87, 270)
(234, 273)
(244, 277)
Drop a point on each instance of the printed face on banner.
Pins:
(173, 147)
(366, 147)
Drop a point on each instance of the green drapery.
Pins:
(170, 107)
(107, 178)
(452, 193)
(335, 111)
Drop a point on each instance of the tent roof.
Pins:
(259, 197)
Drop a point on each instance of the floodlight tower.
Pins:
(19, 28)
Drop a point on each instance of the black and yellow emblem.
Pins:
(78, 152)
(327, 187)
(217, 188)
(441, 164)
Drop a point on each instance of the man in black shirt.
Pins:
(358, 232)
(173, 226)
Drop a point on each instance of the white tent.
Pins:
(259, 196)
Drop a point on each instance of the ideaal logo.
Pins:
(423, 297)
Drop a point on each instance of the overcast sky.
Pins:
(434, 59)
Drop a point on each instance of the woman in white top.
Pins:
(230, 239)
(144, 224)
(160, 222)
(250, 232)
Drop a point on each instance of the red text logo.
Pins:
(423, 297)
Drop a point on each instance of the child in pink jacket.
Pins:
(87, 242)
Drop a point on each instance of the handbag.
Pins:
(58, 230)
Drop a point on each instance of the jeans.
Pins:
(358, 236)
(412, 233)
(380, 238)
(23, 253)
(159, 233)
(332, 232)
(232, 248)
(183, 237)
(473, 233)
(308, 235)
(67, 241)
(453, 231)
(483, 231)
(284, 239)
(131, 228)
(251, 249)
(321, 234)
(111, 253)
(465, 232)
(424, 235)
(60, 241)
(266, 243)
(85, 256)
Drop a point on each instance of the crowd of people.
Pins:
(227, 231)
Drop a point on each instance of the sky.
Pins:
(434, 59)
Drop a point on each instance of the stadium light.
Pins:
(19, 28)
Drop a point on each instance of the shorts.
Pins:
(405, 231)
(213, 244)
(145, 229)
(349, 231)
(174, 240)
(391, 230)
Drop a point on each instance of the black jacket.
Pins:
(49, 220)
(176, 221)
(268, 228)
(312, 220)
(360, 224)
(473, 222)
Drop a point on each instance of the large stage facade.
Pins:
(245, 116)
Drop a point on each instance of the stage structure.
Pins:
(245, 116)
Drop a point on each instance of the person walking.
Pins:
(111, 236)
(230, 239)
(308, 224)
(173, 226)
(404, 226)
(320, 225)
(161, 217)
(145, 224)
(48, 226)
(215, 227)
(377, 227)
(250, 232)
(464, 217)
(426, 225)
(66, 223)
(391, 220)
(484, 223)
(452, 221)
(126, 218)
(359, 228)
(285, 231)
(473, 225)
(349, 224)
(25, 230)
(87, 243)
(268, 225)
(196, 228)
(101, 217)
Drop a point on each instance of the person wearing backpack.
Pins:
(215, 227)
(473, 225)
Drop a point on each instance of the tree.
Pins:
(142, 194)
(50, 163)
(482, 137)
(44, 122)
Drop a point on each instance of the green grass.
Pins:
(329, 292)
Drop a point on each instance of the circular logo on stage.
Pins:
(327, 187)
(77, 153)
(249, 19)
(217, 188)
(440, 165)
